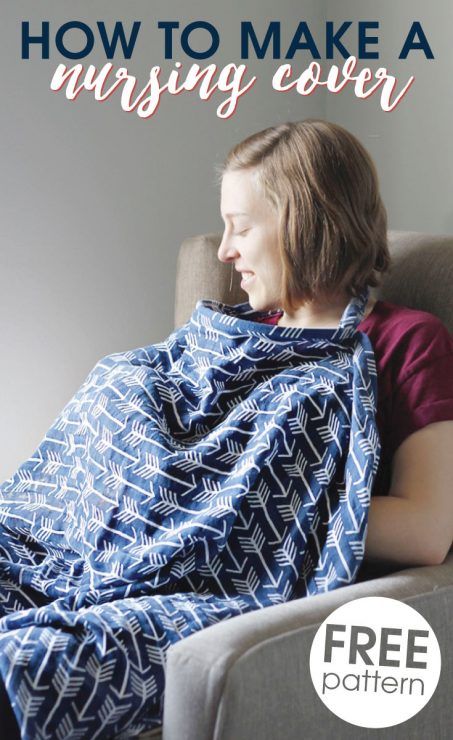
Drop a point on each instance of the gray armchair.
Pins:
(248, 677)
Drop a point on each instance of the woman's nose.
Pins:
(226, 251)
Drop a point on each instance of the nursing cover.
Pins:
(226, 469)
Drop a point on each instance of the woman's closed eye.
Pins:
(243, 232)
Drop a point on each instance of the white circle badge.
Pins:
(375, 662)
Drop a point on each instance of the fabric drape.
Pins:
(226, 469)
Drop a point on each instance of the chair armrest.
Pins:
(249, 676)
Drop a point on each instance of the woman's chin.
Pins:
(260, 304)
(255, 303)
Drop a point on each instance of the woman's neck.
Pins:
(324, 314)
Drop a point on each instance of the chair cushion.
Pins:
(421, 275)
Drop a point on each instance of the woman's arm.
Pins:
(413, 525)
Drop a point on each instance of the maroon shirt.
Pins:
(414, 360)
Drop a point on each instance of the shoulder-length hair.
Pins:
(332, 222)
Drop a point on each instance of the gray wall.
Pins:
(95, 201)
(412, 145)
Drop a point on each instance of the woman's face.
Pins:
(250, 238)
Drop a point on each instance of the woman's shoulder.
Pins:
(409, 335)
(387, 316)
(414, 359)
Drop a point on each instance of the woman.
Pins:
(306, 227)
(187, 482)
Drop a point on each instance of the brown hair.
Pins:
(332, 222)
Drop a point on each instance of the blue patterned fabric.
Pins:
(226, 469)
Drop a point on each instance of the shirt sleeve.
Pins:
(424, 391)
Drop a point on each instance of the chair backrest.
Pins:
(421, 275)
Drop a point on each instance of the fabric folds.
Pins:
(226, 469)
